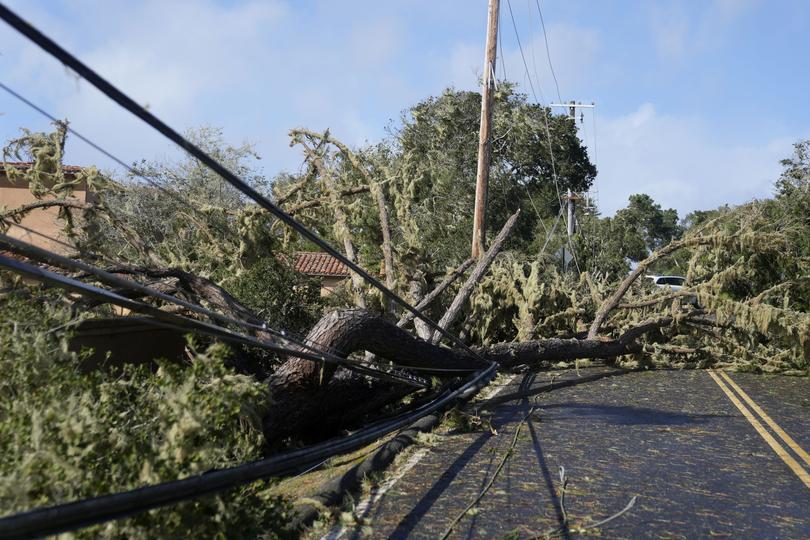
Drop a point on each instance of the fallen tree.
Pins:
(744, 305)
(540, 316)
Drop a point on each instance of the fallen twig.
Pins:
(491, 481)
(580, 529)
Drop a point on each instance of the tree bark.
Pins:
(304, 393)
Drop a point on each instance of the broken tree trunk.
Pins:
(303, 392)
(478, 272)
(306, 393)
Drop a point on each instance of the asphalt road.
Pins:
(673, 440)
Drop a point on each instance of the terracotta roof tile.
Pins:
(316, 263)
(27, 164)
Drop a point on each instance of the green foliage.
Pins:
(793, 196)
(65, 435)
(278, 294)
(520, 299)
(196, 221)
(746, 273)
(607, 246)
(433, 184)
(427, 167)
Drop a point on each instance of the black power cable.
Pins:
(33, 252)
(49, 257)
(179, 321)
(108, 278)
(70, 61)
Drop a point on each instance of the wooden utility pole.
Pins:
(485, 132)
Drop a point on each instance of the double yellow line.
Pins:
(780, 450)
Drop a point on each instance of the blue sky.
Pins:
(696, 100)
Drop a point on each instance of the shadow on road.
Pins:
(627, 415)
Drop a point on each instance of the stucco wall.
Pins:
(44, 221)
(328, 284)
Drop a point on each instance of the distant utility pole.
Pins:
(485, 132)
(571, 198)
(573, 106)
(571, 203)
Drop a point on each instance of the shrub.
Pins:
(65, 435)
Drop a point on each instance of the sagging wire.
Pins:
(31, 251)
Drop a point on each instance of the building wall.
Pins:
(328, 284)
(44, 221)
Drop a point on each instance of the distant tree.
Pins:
(646, 226)
(609, 246)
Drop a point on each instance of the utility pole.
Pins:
(572, 107)
(485, 132)
(571, 198)
(572, 113)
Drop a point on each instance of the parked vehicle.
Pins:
(674, 283)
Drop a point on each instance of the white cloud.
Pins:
(678, 162)
(170, 56)
(680, 30)
(670, 26)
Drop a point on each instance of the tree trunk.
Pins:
(306, 393)
(308, 396)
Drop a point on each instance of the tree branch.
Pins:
(341, 220)
(611, 303)
(20, 211)
(314, 203)
(377, 192)
(437, 291)
(476, 275)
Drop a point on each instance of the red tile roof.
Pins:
(316, 263)
(27, 164)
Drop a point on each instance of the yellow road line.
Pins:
(774, 426)
(803, 475)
